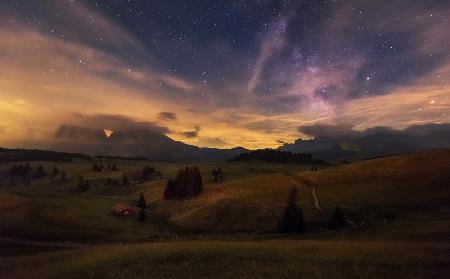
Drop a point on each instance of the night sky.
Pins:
(221, 73)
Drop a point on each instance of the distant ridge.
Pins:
(276, 156)
(138, 143)
(18, 155)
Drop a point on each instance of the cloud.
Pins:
(333, 132)
(216, 142)
(168, 115)
(272, 42)
(114, 122)
(190, 134)
(346, 132)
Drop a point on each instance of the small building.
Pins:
(122, 210)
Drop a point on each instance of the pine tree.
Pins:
(170, 190)
(142, 215)
(39, 172)
(125, 179)
(62, 178)
(87, 186)
(108, 181)
(141, 202)
(80, 186)
(215, 175)
(220, 173)
(55, 172)
(27, 168)
(292, 219)
(337, 219)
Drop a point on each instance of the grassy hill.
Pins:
(413, 188)
(398, 205)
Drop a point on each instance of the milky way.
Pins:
(221, 73)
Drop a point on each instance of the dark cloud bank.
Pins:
(131, 138)
(344, 143)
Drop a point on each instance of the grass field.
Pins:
(238, 259)
(229, 229)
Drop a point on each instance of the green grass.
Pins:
(233, 259)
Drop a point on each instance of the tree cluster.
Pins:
(186, 184)
(292, 219)
(62, 178)
(20, 155)
(277, 156)
(19, 170)
(98, 168)
(217, 174)
(40, 172)
(111, 182)
(149, 173)
(83, 185)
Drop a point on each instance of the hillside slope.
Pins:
(412, 190)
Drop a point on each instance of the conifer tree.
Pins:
(125, 180)
(55, 172)
(337, 219)
(142, 215)
(292, 219)
(141, 201)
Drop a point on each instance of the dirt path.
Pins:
(308, 184)
(41, 243)
(316, 200)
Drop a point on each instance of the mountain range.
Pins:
(328, 142)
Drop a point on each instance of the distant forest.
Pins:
(276, 156)
(20, 155)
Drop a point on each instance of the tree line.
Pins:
(276, 156)
(21, 155)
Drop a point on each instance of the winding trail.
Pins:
(316, 200)
(308, 184)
